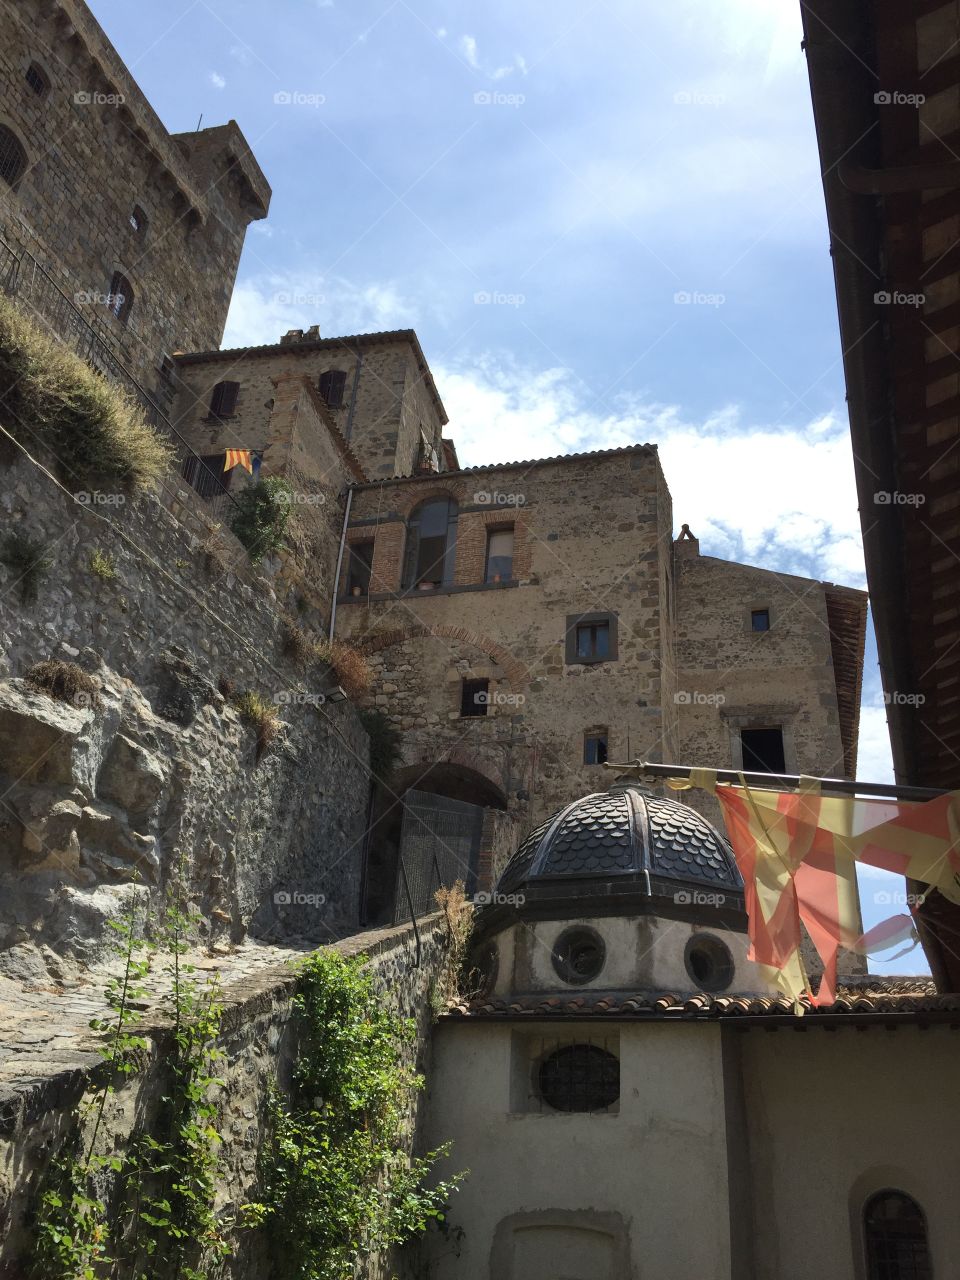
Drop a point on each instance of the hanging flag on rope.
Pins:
(238, 458)
(797, 852)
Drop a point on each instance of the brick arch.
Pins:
(408, 502)
(458, 757)
(516, 672)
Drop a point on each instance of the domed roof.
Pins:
(626, 840)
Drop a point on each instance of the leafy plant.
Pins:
(337, 1186)
(386, 743)
(261, 715)
(64, 681)
(93, 429)
(103, 564)
(27, 558)
(351, 667)
(260, 518)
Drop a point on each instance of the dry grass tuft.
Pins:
(350, 666)
(94, 430)
(297, 645)
(458, 917)
(66, 682)
(256, 711)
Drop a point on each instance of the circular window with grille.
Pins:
(580, 1077)
(709, 962)
(579, 955)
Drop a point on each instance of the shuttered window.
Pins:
(331, 386)
(223, 402)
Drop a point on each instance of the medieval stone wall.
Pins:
(164, 769)
(48, 1059)
(95, 151)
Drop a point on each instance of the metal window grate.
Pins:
(37, 81)
(896, 1238)
(13, 158)
(580, 1077)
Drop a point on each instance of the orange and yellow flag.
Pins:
(238, 458)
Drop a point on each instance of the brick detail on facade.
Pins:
(515, 671)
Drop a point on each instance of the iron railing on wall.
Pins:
(24, 278)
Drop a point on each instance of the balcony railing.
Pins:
(24, 278)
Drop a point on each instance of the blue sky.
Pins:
(604, 220)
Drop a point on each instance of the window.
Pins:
(223, 401)
(331, 387)
(431, 542)
(759, 619)
(361, 563)
(895, 1234)
(474, 697)
(579, 955)
(206, 474)
(591, 637)
(580, 1077)
(708, 962)
(120, 300)
(138, 220)
(595, 747)
(762, 750)
(499, 567)
(37, 80)
(13, 158)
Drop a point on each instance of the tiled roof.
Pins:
(877, 998)
(506, 466)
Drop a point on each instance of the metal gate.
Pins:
(439, 844)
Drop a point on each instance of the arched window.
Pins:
(895, 1233)
(120, 300)
(431, 543)
(13, 158)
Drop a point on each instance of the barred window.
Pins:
(895, 1232)
(579, 1077)
(13, 158)
(37, 79)
(121, 297)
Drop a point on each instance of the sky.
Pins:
(604, 219)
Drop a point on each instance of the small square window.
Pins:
(759, 619)
(595, 747)
(762, 750)
(361, 563)
(593, 640)
(499, 555)
(591, 637)
(474, 697)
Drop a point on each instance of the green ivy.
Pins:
(261, 515)
(336, 1181)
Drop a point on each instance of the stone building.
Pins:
(112, 223)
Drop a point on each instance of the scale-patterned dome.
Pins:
(624, 839)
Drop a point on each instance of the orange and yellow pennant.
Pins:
(797, 853)
(238, 458)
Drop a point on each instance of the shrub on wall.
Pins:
(337, 1186)
(261, 515)
(351, 667)
(93, 429)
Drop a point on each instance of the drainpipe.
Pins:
(336, 577)
(348, 430)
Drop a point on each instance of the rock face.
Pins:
(101, 799)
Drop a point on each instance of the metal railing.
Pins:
(24, 278)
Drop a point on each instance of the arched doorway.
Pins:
(427, 830)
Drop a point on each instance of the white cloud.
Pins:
(468, 47)
(217, 80)
(263, 309)
(441, 33)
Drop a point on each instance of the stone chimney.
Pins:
(292, 335)
(686, 544)
(313, 333)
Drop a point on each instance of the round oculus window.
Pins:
(709, 962)
(579, 955)
(579, 1077)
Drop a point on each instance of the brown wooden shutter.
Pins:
(331, 387)
(223, 402)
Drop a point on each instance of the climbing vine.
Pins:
(336, 1183)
